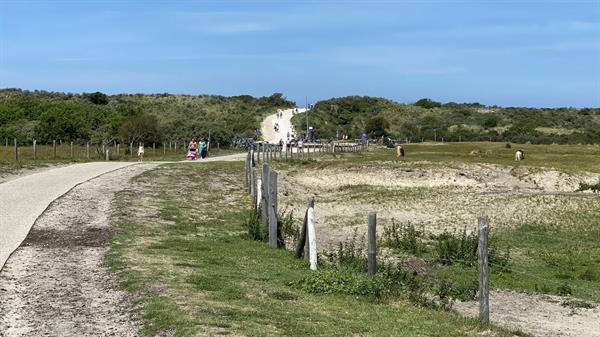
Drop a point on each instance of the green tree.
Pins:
(377, 126)
(427, 103)
(142, 128)
(97, 98)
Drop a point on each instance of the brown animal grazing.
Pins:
(400, 151)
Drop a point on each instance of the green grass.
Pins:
(562, 157)
(184, 251)
(556, 252)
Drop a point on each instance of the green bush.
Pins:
(449, 248)
(404, 238)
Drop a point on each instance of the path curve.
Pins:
(24, 199)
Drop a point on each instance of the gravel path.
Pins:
(24, 199)
(55, 283)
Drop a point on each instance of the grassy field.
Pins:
(564, 157)
(549, 230)
(184, 251)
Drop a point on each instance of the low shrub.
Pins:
(449, 248)
(589, 187)
(403, 237)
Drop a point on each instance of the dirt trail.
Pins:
(285, 126)
(539, 315)
(55, 283)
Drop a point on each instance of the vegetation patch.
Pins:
(197, 271)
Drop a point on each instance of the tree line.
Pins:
(126, 118)
(428, 120)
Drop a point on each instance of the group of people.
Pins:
(196, 149)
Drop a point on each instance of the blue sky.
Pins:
(510, 53)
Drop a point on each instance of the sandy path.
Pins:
(538, 315)
(55, 284)
(24, 199)
(285, 126)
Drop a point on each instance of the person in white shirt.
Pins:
(141, 152)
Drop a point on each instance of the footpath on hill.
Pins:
(284, 123)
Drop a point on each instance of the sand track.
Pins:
(55, 283)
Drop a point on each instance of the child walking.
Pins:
(141, 152)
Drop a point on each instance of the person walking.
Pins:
(193, 148)
(203, 149)
(141, 152)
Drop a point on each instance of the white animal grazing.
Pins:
(519, 155)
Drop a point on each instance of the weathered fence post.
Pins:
(252, 186)
(71, 150)
(247, 170)
(258, 192)
(482, 257)
(302, 245)
(34, 149)
(107, 154)
(265, 195)
(372, 251)
(153, 151)
(312, 238)
(273, 237)
(87, 150)
(164, 150)
(16, 150)
(118, 150)
(54, 148)
(257, 153)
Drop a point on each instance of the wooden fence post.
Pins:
(301, 245)
(34, 149)
(247, 169)
(108, 154)
(252, 185)
(265, 195)
(71, 150)
(312, 238)
(54, 148)
(153, 151)
(87, 150)
(16, 150)
(372, 258)
(482, 257)
(258, 153)
(258, 192)
(273, 237)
